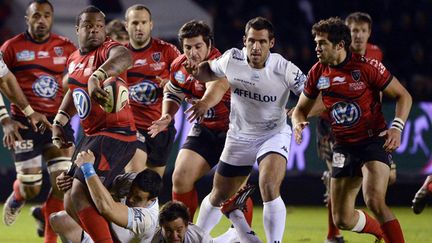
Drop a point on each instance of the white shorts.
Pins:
(242, 151)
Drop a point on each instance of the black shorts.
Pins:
(34, 143)
(348, 159)
(207, 143)
(112, 155)
(324, 140)
(158, 148)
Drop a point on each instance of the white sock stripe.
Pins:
(361, 223)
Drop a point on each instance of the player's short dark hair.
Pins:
(173, 210)
(148, 181)
(88, 9)
(196, 28)
(359, 17)
(115, 26)
(40, 2)
(336, 29)
(260, 23)
(138, 7)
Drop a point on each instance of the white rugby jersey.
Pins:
(258, 96)
(194, 234)
(142, 229)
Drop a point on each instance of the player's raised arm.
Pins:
(214, 93)
(119, 59)
(111, 210)
(201, 71)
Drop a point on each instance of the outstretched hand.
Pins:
(191, 67)
(298, 129)
(11, 132)
(197, 111)
(159, 125)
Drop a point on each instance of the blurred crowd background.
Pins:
(401, 28)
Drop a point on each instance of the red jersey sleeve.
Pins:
(378, 75)
(8, 55)
(310, 89)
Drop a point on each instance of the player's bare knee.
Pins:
(182, 183)
(270, 189)
(54, 220)
(375, 204)
(342, 223)
(217, 197)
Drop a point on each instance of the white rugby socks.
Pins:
(274, 215)
(209, 215)
(243, 229)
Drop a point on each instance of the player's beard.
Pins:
(41, 33)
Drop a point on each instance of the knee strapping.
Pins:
(30, 179)
(59, 164)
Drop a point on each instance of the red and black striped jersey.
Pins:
(39, 69)
(351, 94)
(94, 119)
(145, 93)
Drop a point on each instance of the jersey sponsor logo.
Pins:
(378, 65)
(299, 79)
(210, 114)
(25, 55)
(339, 80)
(157, 66)
(156, 56)
(43, 54)
(58, 50)
(345, 113)
(244, 81)
(82, 103)
(140, 62)
(145, 92)
(323, 83)
(237, 55)
(255, 96)
(338, 160)
(59, 60)
(45, 86)
(23, 146)
(141, 138)
(357, 86)
(138, 215)
(255, 77)
(73, 67)
(180, 77)
(356, 74)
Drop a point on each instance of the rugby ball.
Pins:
(118, 94)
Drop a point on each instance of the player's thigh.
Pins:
(138, 161)
(224, 187)
(343, 193)
(189, 167)
(375, 180)
(272, 167)
(65, 226)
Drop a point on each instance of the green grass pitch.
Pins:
(303, 224)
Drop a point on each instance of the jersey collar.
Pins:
(30, 38)
(347, 59)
